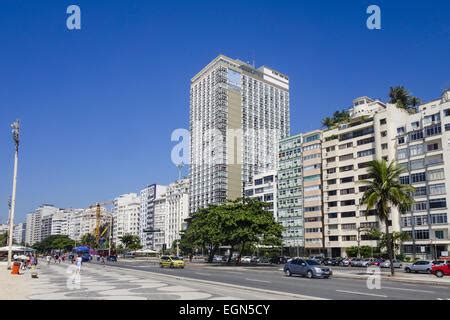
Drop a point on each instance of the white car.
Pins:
(246, 259)
(387, 264)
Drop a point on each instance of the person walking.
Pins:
(48, 259)
(79, 261)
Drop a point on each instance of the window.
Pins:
(347, 191)
(401, 130)
(440, 218)
(333, 226)
(406, 222)
(311, 147)
(432, 146)
(312, 178)
(259, 190)
(348, 214)
(447, 127)
(268, 179)
(348, 238)
(420, 191)
(447, 112)
(329, 149)
(363, 165)
(355, 134)
(332, 170)
(436, 175)
(404, 180)
(433, 130)
(421, 220)
(346, 180)
(439, 234)
(332, 204)
(415, 124)
(384, 146)
(401, 140)
(437, 189)
(363, 177)
(348, 203)
(416, 135)
(313, 198)
(311, 167)
(346, 168)
(402, 154)
(345, 145)
(420, 206)
(418, 177)
(332, 193)
(346, 157)
(311, 188)
(432, 118)
(311, 209)
(258, 182)
(332, 215)
(312, 138)
(417, 164)
(416, 150)
(330, 160)
(366, 153)
(348, 226)
(333, 238)
(331, 181)
(383, 133)
(422, 234)
(438, 203)
(365, 141)
(383, 121)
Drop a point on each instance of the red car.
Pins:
(440, 270)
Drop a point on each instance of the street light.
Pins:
(15, 134)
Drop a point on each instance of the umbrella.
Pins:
(22, 257)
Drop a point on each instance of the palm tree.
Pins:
(385, 190)
(89, 240)
(399, 96)
(130, 241)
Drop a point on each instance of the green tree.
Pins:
(4, 239)
(337, 118)
(384, 191)
(130, 241)
(396, 237)
(240, 223)
(89, 240)
(59, 242)
(400, 96)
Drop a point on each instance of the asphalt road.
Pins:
(271, 278)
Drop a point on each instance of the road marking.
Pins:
(406, 289)
(362, 293)
(257, 280)
(203, 274)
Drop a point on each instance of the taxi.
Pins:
(171, 262)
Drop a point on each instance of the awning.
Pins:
(17, 249)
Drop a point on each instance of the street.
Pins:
(272, 278)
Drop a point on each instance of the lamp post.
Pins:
(15, 134)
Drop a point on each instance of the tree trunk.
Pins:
(211, 254)
(238, 261)
(389, 247)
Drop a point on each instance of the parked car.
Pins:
(345, 262)
(438, 262)
(306, 267)
(246, 259)
(111, 258)
(387, 264)
(377, 262)
(356, 262)
(366, 262)
(217, 259)
(420, 266)
(171, 262)
(317, 258)
(279, 260)
(327, 261)
(128, 255)
(442, 269)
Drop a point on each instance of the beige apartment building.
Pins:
(371, 134)
(312, 191)
(423, 149)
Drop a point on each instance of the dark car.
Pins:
(279, 260)
(306, 267)
(86, 257)
(111, 258)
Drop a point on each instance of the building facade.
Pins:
(346, 152)
(177, 204)
(160, 218)
(423, 149)
(237, 115)
(126, 216)
(290, 193)
(263, 187)
(19, 233)
(147, 219)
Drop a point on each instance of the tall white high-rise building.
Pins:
(177, 206)
(19, 233)
(60, 223)
(39, 223)
(126, 215)
(160, 218)
(148, 196)
(237, 115)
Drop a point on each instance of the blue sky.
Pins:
(98, 105)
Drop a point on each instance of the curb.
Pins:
(287, 294)
(414, 281)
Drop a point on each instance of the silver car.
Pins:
(387, 264)
(420, 266)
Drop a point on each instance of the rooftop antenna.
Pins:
(180, 168)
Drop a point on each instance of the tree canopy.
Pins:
(130, 241)
(242, 223)
(59, 242)
(400, 96)
(337, 118)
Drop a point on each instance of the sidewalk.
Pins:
(14, 287)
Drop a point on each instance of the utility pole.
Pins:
(15, 133)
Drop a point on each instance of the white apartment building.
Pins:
(177, 205)
(39, 223)
(74, 217)
(60, 223)
(263, 187)
(19, 233)
(346, 151)
(423, 149)
(237, 115)
(160, 218)
(3, 228)
(126, 215)
(148, 196)
(88, 220)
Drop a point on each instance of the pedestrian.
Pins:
(48, 259)
(103, 260)
(79, 261)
